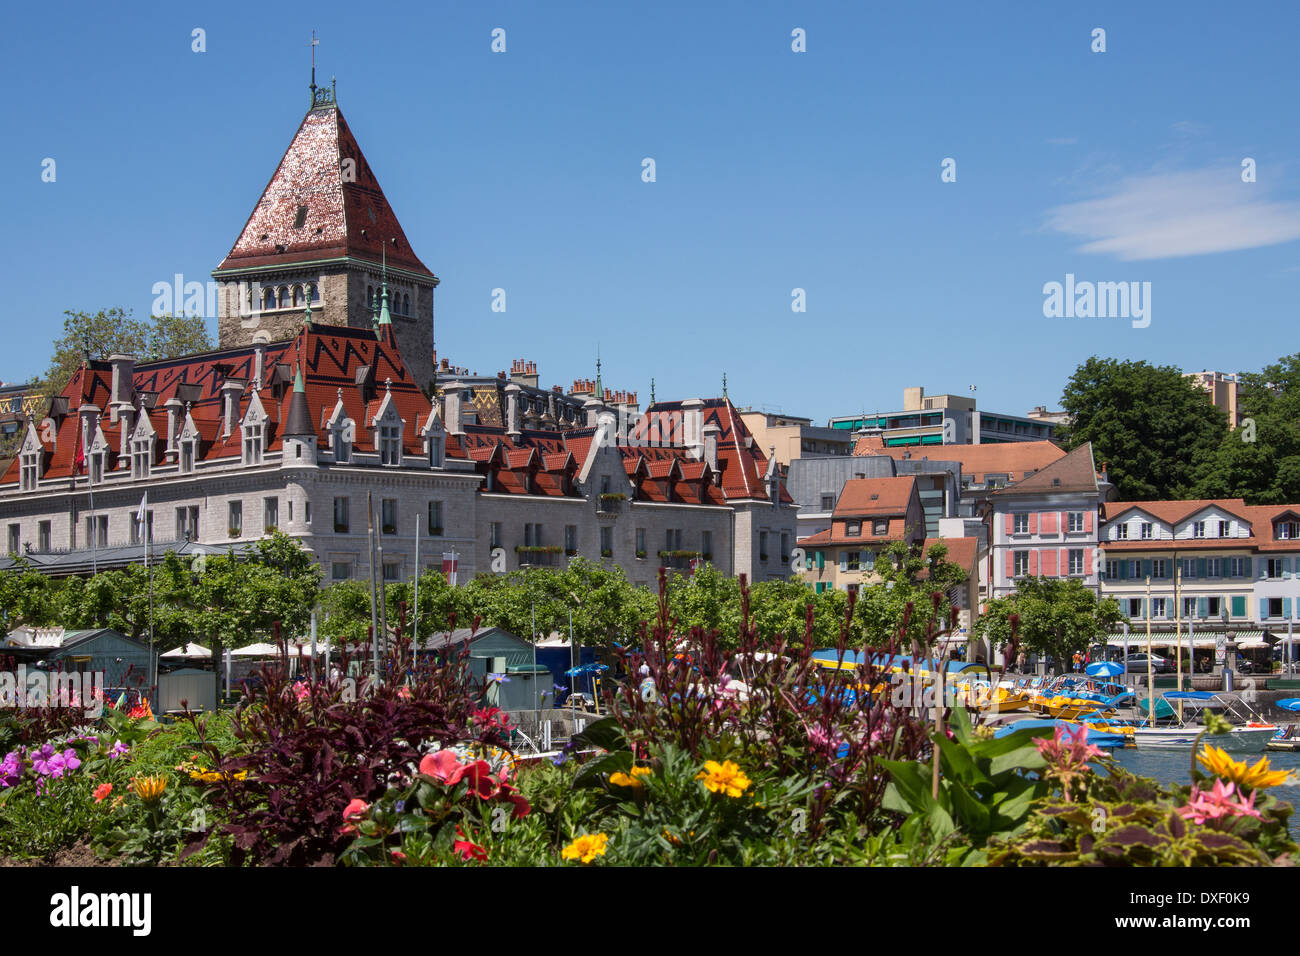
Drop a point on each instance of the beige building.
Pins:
(870, 514)
(790, 437)
(1223, 392)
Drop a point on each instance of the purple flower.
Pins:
(11, 770)
(46, 763)
(401, 806)
(70, 759)
(560, 759)
(118, 749)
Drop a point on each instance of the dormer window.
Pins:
(30, 470)
(96, 459)
(253, 439)
(390, 444)
(435, 452)
(187, 455)
(141, 457)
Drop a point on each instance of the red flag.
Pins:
(79, 455)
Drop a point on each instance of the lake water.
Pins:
(1172, 765)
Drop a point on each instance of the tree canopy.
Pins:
(1149, 424)
(114, 330)
(1056, 617)
(1259, 460)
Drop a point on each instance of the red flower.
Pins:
(466, 849)
(522, 806)
(102, 791)
(352, 816)
(480, 779)
(398, 855)
(493, 717)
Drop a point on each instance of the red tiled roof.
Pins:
(875, 496)
(1073, 473)
(961, 551)
(342, 215)
(1173, 512)
(331, 358)
(1013, 459)
(1261, 519)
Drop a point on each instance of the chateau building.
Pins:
(323, 235)
(311, 420)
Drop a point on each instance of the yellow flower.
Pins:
(1237, 771)
(621, 779)
(724, 777)
(149, 789)
(586, 848)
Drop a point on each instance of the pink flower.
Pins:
(1215, 804)
(442, 765)
(398, 855)
(301, 690)
(352, 816)
(404, 693)
(1068, 749)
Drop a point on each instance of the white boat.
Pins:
(1242, 740)
(1250, 735)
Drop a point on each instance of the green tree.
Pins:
(1148, 424)
(1057, 617)
(28, 598)
(1260, 460)
(906, 576)
(114, 330)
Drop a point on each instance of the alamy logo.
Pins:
(74, 909)
(69, 689)
(1099, 300)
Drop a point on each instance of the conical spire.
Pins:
(297, 423)
(384, 317)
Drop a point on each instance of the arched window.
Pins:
(297, 295)
(370, 298)
(313, 294)
(406, 305)
(284, 297)
(268, 300)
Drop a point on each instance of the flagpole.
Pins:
(415, 617)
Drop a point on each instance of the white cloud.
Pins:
(1167, 215)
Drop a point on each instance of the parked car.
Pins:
(1137, 664)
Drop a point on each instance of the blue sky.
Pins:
(775, 170)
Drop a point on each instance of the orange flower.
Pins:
(102, 791)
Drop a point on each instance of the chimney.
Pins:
(592, 408)
(693, 426)
(231, 390)
(711, 433)
(126, 424)
(259, 363)
(122, 392)
(512, 408)
(524, 372)
(175, 408)
(451, 407)
(913, 398)
(89, 417)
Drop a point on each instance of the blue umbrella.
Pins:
(586, 669)
(1105, 669)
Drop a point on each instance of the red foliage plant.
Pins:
(793, 715)
(311, 748)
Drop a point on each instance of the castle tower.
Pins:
(321, 235)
